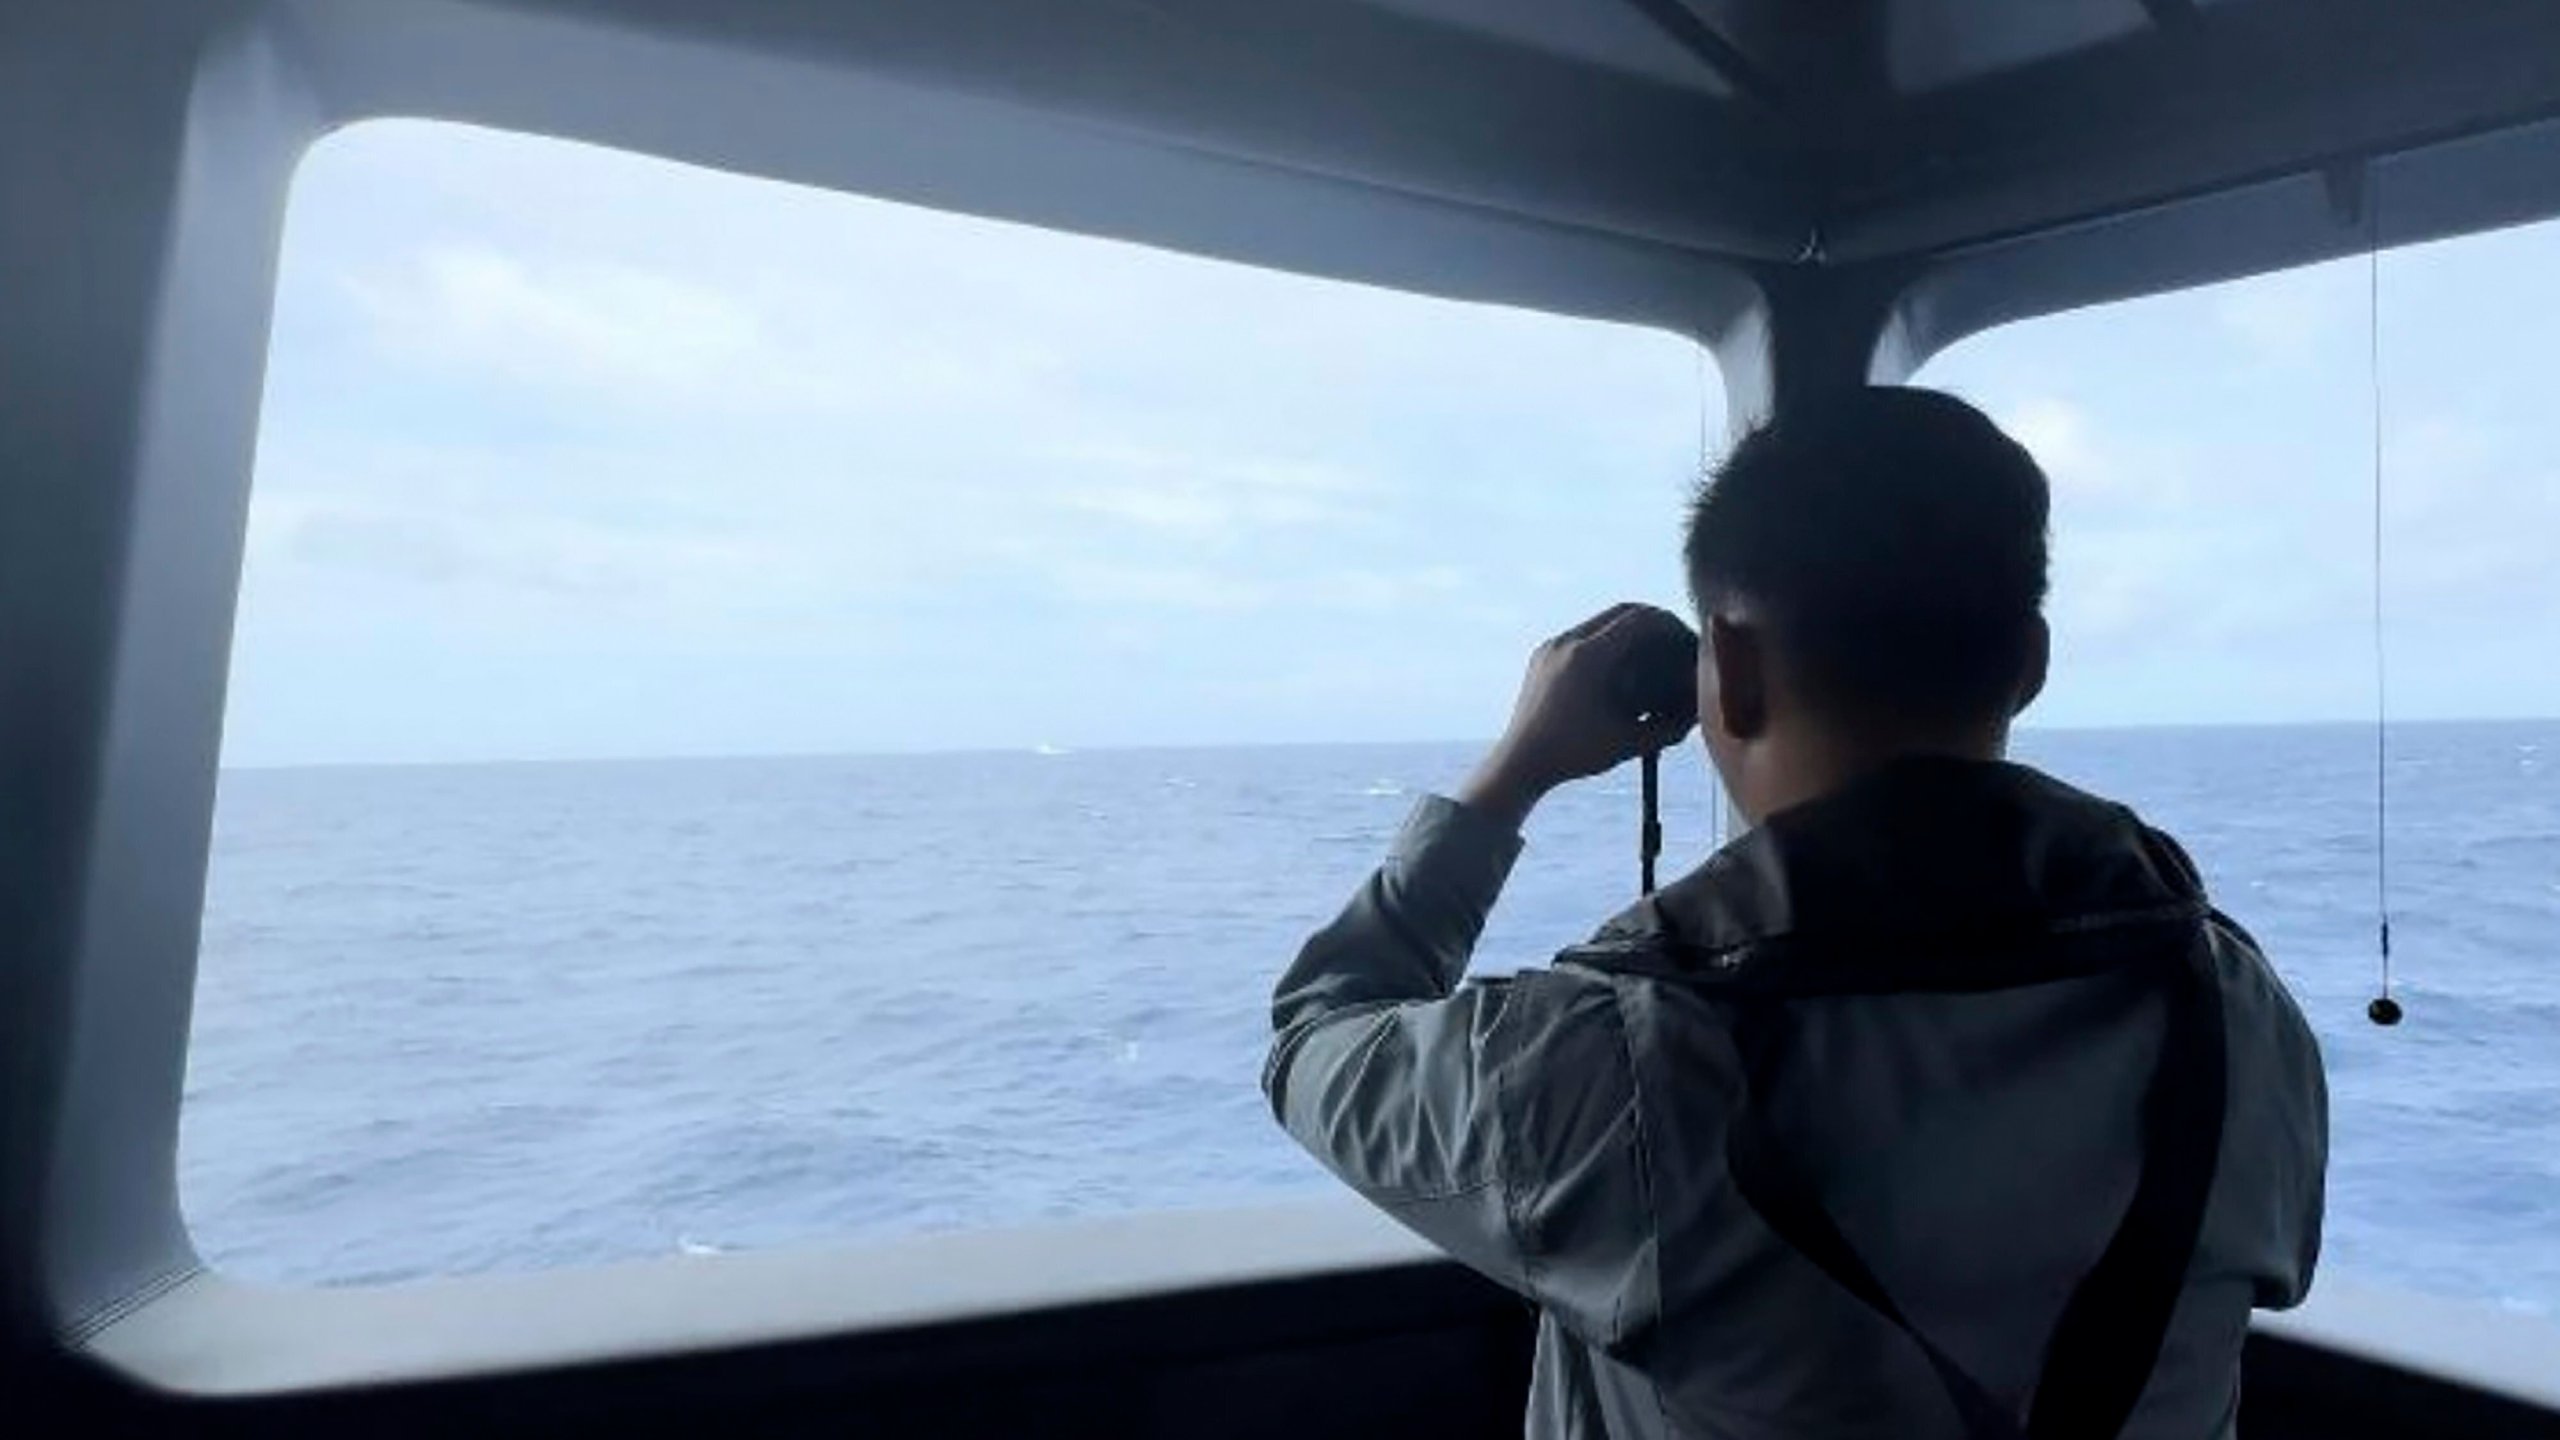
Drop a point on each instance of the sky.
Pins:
(569, 453)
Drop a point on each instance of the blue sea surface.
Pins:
(468, 1018)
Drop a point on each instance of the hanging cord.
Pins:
(1649, 846)
(2384, 1010)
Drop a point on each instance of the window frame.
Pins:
(130, 622)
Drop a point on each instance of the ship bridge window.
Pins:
(2213, 609)
(762, 716)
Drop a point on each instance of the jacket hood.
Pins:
(1924, 857)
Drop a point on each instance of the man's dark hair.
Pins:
(1894, 541)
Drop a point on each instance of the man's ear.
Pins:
(1742, 676)
(2039, 659)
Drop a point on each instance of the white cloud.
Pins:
(544, 419)
(2056, 432)
(549, 326)
(526, 555)
(1387, 591)
(2105, 598)
(1196, 506)
(1212, 591)
(2288, 318)
(1157, 586)
(585, 323)
(1205, 495)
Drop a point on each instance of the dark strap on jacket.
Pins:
(2108, 1339)
(1771, 1186)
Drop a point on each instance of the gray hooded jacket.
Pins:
(1573, 1132)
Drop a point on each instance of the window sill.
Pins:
(2505, 1353)
(211, 1336)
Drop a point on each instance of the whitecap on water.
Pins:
(1383, 787)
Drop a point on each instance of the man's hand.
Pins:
(1567, 724)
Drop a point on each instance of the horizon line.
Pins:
(1043, 749)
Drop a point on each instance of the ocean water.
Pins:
(467, 1018)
